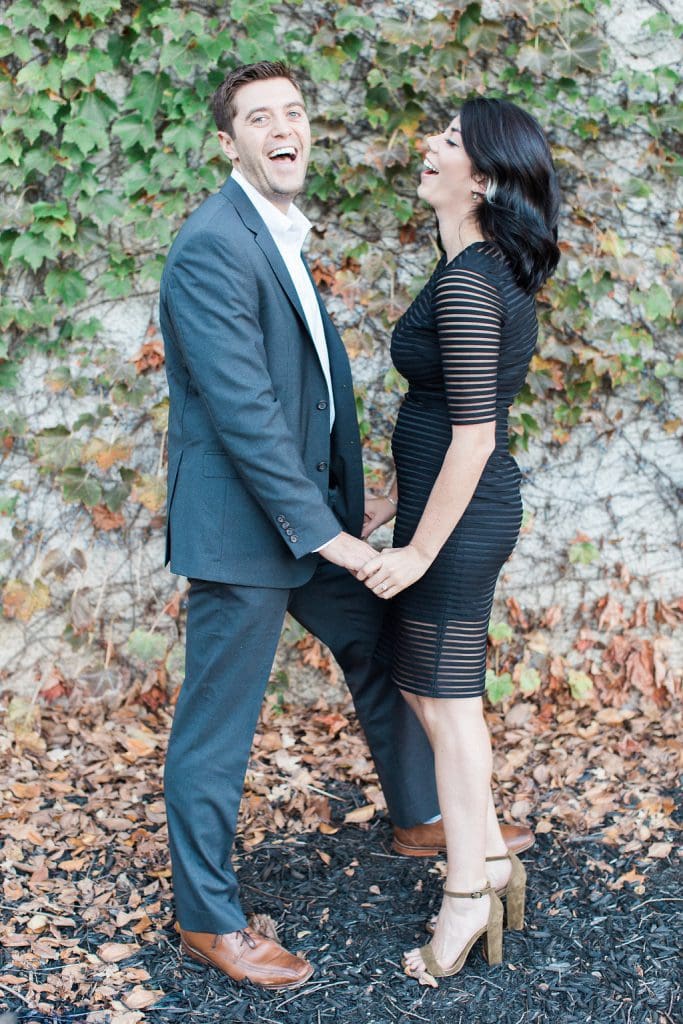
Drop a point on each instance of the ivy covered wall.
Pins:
(107, 144)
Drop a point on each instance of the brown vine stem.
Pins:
(110, 648)
(100, 599)
(160, 465)
(34, 568)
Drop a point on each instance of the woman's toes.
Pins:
(414, 962)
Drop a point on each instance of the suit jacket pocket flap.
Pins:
(218, 464)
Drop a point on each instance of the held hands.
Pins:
(377, 512)
(349, 552)
(394, 569)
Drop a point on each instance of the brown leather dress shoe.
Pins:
(430, 840)
(247, 955)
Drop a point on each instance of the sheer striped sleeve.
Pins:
(469, 317)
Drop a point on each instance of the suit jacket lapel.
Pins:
(264, 240)
(340, 370)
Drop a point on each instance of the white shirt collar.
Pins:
(289, 228)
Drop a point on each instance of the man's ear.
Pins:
(227, 145)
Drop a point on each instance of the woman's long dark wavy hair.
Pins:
(519, 211)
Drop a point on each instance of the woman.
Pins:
(464, 346)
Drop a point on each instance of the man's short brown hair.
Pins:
(223, 100)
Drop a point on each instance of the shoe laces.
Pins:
(246, 937)
(243, 934)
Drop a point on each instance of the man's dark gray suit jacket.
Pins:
(250, 456)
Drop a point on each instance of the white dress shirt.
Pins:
(289, 231)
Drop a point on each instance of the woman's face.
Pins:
(447, 170)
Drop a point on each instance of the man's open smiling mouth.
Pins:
(283, 154)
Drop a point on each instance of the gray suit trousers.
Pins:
(232, 635)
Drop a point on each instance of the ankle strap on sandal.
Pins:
(475, 895)
(505, 856)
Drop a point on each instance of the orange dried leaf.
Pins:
(25, 790)
(150, 356)
(21, 601)
(150, 491)
(105, 454)
(660, 850)
(360, 814)
(113, 952)
(140, 998)
(327, 830)
(104, 519)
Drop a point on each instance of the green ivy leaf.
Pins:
(583, 553)
(529, 680)
(57, 448)
(146, 94)
(500, 633)
(69, 286)
(78, 486)
(533, 58)
(657, 302)
(85, 65)
(26, 14)
(133, 131)
(32, 250)
(662, 22)
(498, 687)
(8, 504)
(580, 51)
(99, 9)
(184, 136)
(9, 373)
(19, 46)
(59, 8)
(580, 684)
(350, 19)
(146, 647)
(42, 75)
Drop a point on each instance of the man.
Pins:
(265, 508)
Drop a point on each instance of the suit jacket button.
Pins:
(280, 519)
(290, 531)
(321, 467)
(294, 540)
(285, 524)
(322, 405)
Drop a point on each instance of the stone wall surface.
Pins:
(610, 483)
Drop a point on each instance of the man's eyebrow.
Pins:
(268, 110)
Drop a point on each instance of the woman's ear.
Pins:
(479, 185)
(484, 188)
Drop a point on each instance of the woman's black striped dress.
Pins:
(464, 346)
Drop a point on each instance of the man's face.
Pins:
(271, 139)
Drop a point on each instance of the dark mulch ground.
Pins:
(589, 953)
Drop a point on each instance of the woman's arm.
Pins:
(462, 467)
(397, 568)
(469, 319)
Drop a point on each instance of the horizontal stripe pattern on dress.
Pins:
(469, 316)
(450, 605)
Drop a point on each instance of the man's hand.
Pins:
(349, 552)
(393, 570)
(377, 512)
